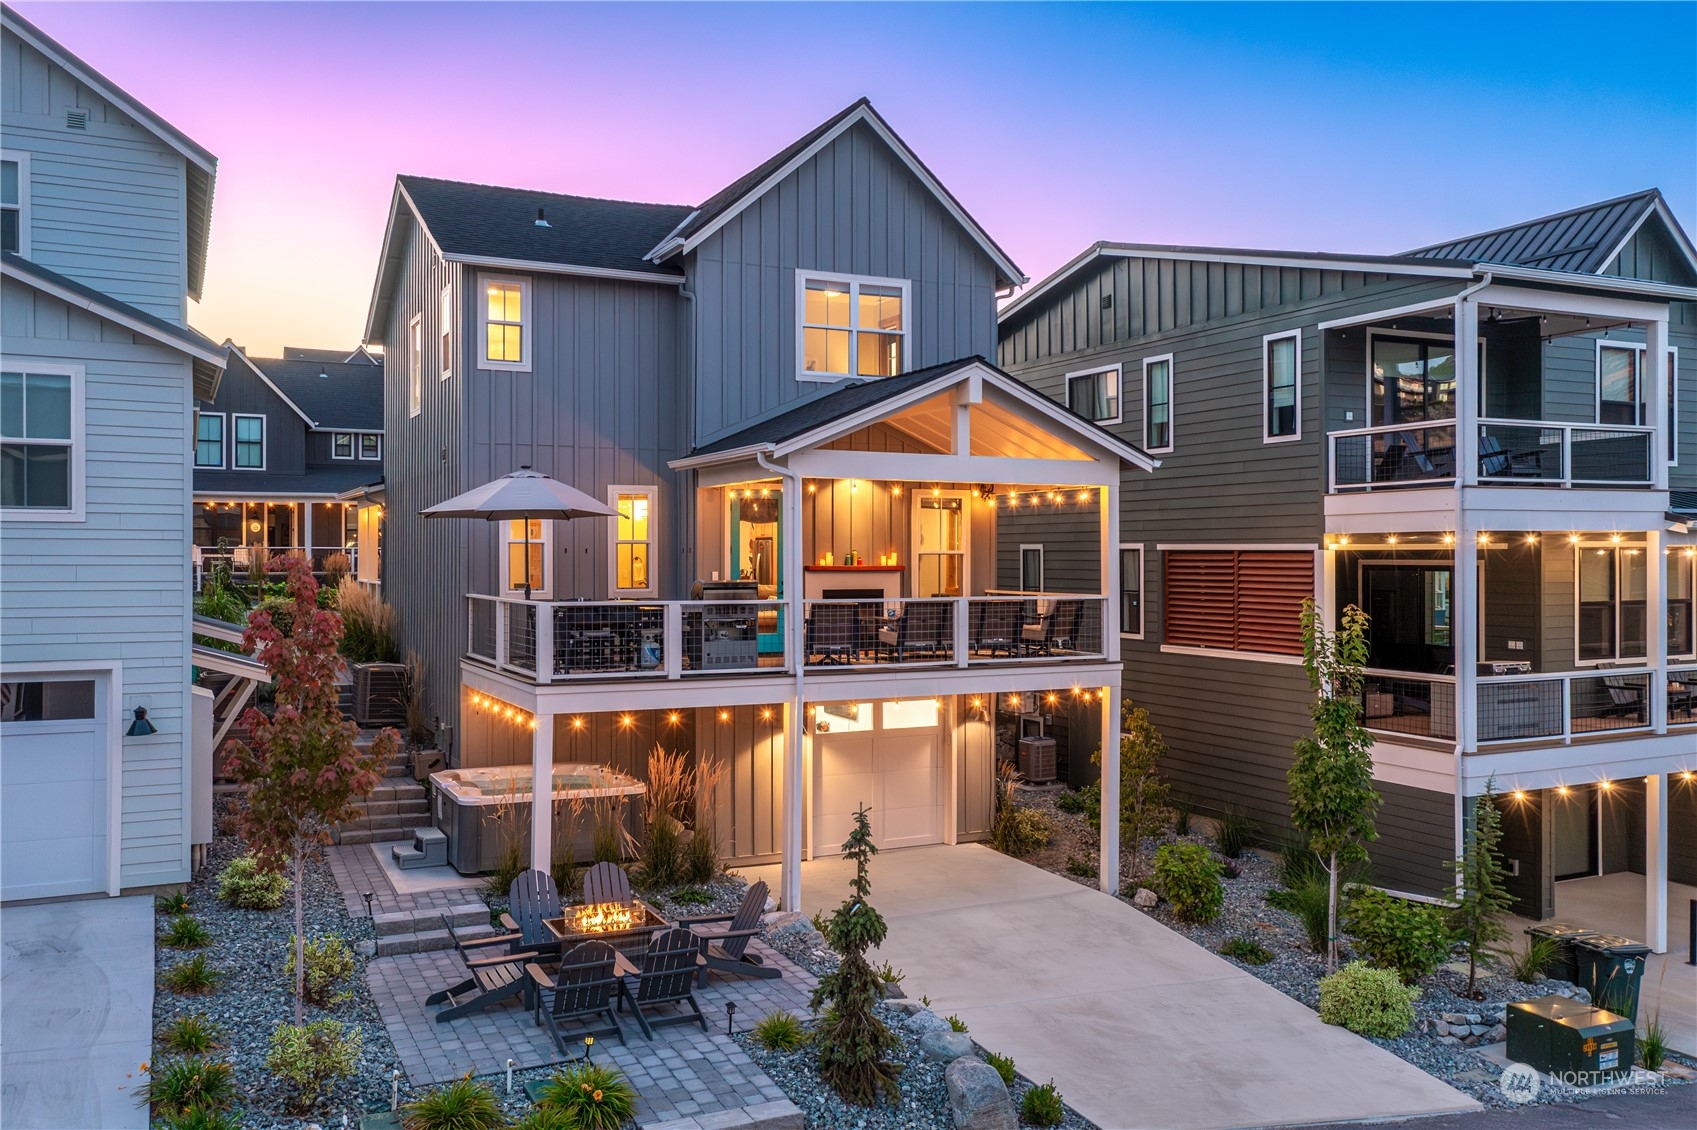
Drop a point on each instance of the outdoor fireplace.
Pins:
(625, 926)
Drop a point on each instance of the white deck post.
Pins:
(542, 794)
(1656, 862)
(1656, 600)
(1656, 378)
(1469, 384)
(1109, 875)
(306, 531)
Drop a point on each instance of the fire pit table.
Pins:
(627, 927)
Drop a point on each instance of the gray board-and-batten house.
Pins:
(1321, 435)
(783, 393)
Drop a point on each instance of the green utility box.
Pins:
(1611, 968)
(1579, 1044)
(1565, 965)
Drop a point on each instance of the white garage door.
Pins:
(52, 787)
(882, 759)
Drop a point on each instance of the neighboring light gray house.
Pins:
(1321, 435)
(100, 376)
(288, 457)
(783, 394)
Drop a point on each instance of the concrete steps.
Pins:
(395, 807)
(418, 931)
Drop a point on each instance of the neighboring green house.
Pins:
(1320, 435)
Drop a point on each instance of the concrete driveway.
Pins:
(76, 1013)
(1139, 1027)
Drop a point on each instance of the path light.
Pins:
(510, 1062)
(368, 896)
(730, 1018)
(588, 1048)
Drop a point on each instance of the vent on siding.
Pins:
(76, 118)
(1237, 601)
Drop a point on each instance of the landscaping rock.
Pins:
(925, 1021)
(786, 922)
(978, 1099)
(1145, 899)
(906, 1007)
(945, 1047)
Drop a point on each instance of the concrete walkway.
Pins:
(1138, 1026)
(76, 1013)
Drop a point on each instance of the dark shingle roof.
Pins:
(1581, 240)
(307, 353)
(317, 480)
(332, 394)
(486, 222)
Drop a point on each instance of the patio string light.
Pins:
(503, 711)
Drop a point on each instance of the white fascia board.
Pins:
(381, 285)
(1667, 292)
(664, 247)
(1675, 232)
(544, 268)
(262, 495)
(236, 351)
(119, 317)
(1446, 303)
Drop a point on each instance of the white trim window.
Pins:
(506, 323)
(1281, 386)
(850, 326)
(1158, 403)
(1131, 591)
(541, 541)
(1611, 607)
(14, 201)
(247, 435)
(1620, 388)
(342, 445)
(1031, 567)
(415, 367)
(445, 332)
(209, 440)
(630, 540)
(41, 441)
(370, 446)
(1095, 394)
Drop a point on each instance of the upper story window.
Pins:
(851, 327)
(633, 540)
(1031, 568)
(1412, 379)
(342, 445)
(14, 203)
(445, 332)
(209, 440)
(1095, 395)
(1682, 596)
(1131, 591)
(1620, 388)
(415, 369)
(506, 323)
(370, 446)
(528, 543)
(40, 438)
(1281, 376)
(250, 442)
(1158, 403)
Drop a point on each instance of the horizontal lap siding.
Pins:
(1070, 534)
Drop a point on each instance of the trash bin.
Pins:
(1611, 968)
(1564, 965)
(1580, 1044)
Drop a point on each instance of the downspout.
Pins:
(1459, 813)
(687, 531)
(790, 872)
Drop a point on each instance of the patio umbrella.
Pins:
(524, 495)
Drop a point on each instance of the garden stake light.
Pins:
(395, 1090)
(510, 1062)
(730, 1018)
(588, 1048)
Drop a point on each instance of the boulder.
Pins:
(978, 1099)
(787, 922)
(1145, 899)
(945, 1047)
(925, 1021)
(1497, 1034)
(904, 1006)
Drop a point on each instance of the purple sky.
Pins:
(1326, 127)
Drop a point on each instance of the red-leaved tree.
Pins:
(303, 769)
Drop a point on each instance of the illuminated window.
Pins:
(633, 540)
(851, 327)
(1613, 611)
(527, 549)
(506, 323)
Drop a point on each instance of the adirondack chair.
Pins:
(584, 989)
(493, 979)
(727, 950)
(997, 625)
(531, 898)
(607, 882)
(666, 977)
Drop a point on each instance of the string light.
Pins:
(626, 721)
(896, 489)
(765, 713)
(577, 723)
(1084, 496)
(673, 717)
(724, 715)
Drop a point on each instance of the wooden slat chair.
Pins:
(727, 950)
(584, 989)
(531, 898)
(607, 882)
(493, 979)
(666, 977)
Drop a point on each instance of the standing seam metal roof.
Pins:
(1580, 240)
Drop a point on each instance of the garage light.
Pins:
(141, 727)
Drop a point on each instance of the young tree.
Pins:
(1144, 810)
(303, 770)
(1480, 892)
(853, 1042)
(1331, 781)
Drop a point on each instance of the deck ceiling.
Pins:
(997, 430)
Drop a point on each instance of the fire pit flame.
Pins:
(603, 917)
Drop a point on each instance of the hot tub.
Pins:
(481, 810)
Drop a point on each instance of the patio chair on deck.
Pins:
(925, 629)
(1056, 631)
(607, 882)
(584, 989)
(996, 626)
(1626, 700)
(666, 977)
(833, 633)
(727, 950)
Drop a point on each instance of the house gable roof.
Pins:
(740, 193)
(1581, 240)
(360, 356)
(335, 396)
(202, 165)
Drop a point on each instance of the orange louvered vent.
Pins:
(1248, 600)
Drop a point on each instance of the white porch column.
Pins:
(1109, 502)
(1109, 876)
(789, 868)
(1656, 862)
(542, 794)
(1656, 600)
(1469, 389)
(1656, 378)
(1465, 582)
(306, 531)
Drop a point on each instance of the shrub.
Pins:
(282, 611)
(509, 865)
(1235, 831)
(1182, 807)
(782, 1031)
(691, 896)
(1003, 1065)
(336, 566)
(242, 884)
(661, 857)
(1188, 876)
(1082, 866)
(1014, 829)
(185, 933)
(702, 863)
(191, 978)
(368, 624)
(1535, 960)
(1309, 900)
(183, 1084)
(545, 1118)
(1245, 950)
(202, 1118)
(1410, 937)
(419, 730)
(956, 1024)
(190, 1035)
(1372, 1002)
(464, 1104)
(1041, 1105)
(889, 975)
(1072, 802)
(1653, 1044)
(177, 902)
(328, 960)
(592, 1096)
(312, 1057)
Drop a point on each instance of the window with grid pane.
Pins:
(853, 326)
(1236, 600)
(370, 446)
(12, 189)
(209, 440)
(250, 442)
(505, 302)
(36, 443)
(633, 541)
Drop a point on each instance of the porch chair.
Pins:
(996, 626)
(1626, 700)
(727, 950)
(666, 977)
(1495, 462)
(1054, 632)
(585, 988)
(926, 628)
(607, 882)
(833, 633)
(493, 979)
(531, 898)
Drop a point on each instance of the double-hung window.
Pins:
(415, 368)
(1281, 377)
(851, 327)
(249, 442)
(342, 445)
(1131, 591)
(445, 332)
(370, 445)
(14, 203)
(506, 323)
(1095, 394)
(209, 440)
(40, 438)
(1613, 586)
(527, 555)
(632, 536)
(1158, 403)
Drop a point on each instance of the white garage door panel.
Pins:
(894, 773)
(53, 820)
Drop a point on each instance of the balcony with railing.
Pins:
(1513, 452)
(1541, 708)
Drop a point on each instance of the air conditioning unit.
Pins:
(380, 694)
(1037, 760)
